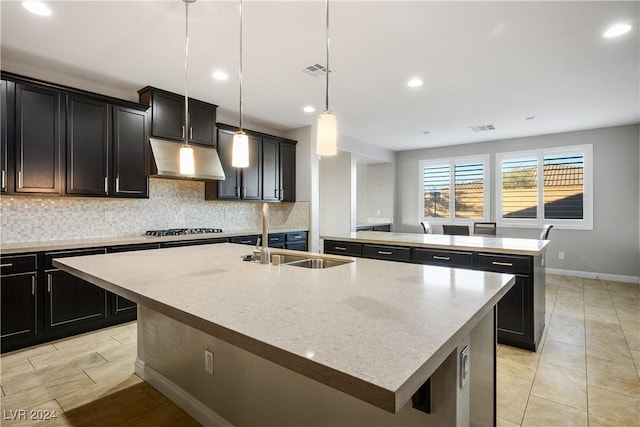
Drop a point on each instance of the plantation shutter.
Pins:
(520, 187)
(469, 190)
(563, 190)
(436, 184)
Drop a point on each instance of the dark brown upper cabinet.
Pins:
(6, 116)
(88, 125)
(271, 173)
(167, 117)
(38, 131)
(130, 148)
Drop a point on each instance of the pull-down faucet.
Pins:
(265, 256)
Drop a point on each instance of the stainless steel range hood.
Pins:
(166, 155)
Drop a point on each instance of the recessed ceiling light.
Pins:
(308, 109)
(426, 132)
(530, 118)
(220, 75)
(37, 7)
(415, 82)
(617, 30)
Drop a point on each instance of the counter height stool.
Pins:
(426, 227)
(544, 234)
(485, 228)
(456, 230)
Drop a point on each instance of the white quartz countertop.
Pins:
(503, 245)
(369, 328)
(56, 245)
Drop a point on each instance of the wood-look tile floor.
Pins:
(585, 372)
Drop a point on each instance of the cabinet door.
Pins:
(37, 140)
(18, 306)
(6, 121)
(130, 152)
(202, 123)
(87, 146)
(71, 300)
(167, 116)
(252, 175)
(270, 169)
(514, 313)
(287, 172)
(230, 187)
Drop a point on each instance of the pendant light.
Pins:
(187, 166)
(240, 150)
(327, 137)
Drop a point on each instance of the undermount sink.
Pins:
(306, 262)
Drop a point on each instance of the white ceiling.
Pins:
(482, 62)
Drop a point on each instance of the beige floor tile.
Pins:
(82, 341)
(72, 353)
(562, 332)
(632, 336)
(635, 355)
(126, 336)
(166, 414)
(93, 392)
(613, 350)
(518, 363)
(600, 314)
(27, 353)
(124, 351)
(596, 301)
(545, 413)
(117, 370)
(572, 280)
(15, 367)
(597, 329)
(561, 385)
(594, 284)
(553, 279)
(612, 376)
(501, 422)
(564, 355)
(607, 408)
(569, 309)
(512, 396)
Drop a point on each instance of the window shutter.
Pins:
(563, 190)
(520, 187)
(469, 190)
(436, 184)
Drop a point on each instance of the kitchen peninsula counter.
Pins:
(372, 332)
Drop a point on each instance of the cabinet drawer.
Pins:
(18, 264)
(135, 247)
(392, 253)
(342, 248)
(245, 240)
(504, 263)
(49, 256)
(276, 239)
(296, 236)
(444, 258)
(297, 246)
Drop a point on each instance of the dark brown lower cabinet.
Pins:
(70, 301)
(513, 312)
(18, 315)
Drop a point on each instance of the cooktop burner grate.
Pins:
(182, 231)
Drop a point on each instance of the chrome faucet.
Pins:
(265, 256)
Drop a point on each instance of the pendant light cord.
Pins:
(240, 73)
(326, 71)
(186, 74)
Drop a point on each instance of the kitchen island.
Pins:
(355, 344)
(521, 313)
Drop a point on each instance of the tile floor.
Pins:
(585, 373)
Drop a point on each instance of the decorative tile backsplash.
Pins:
(171, 204)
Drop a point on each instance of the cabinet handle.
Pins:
(442, 258)
(9, 264)
(49, 282)
(237, 191)
(245, 241)
(4, 179)
(118, 184)
(339, 248)
(385, 253)
(182, 131)
(190, 133)
(280, 194)
(33, 285)
(275, 193)
(244, 192)
(106, 185)
(20, 179)
(504, 264)
(297, 237)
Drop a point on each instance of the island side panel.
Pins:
(539, 300)
(246, 388)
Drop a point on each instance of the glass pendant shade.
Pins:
(240, 150)
(187, 166)
(327, 138)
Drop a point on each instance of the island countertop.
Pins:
(374, 332)
(503, 245)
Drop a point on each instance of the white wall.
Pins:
(611, 248)
(336, 209)
(362, 207)
(380, 191)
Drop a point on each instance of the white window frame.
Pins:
(570, 224)
(452, 161)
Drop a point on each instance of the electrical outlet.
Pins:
(108, 216)
(378, 212)
(560, 255)
(208, 362)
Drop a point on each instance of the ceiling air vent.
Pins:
(315, 69)
(482, 128)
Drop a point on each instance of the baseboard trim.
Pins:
(594, 275)
(192, 406)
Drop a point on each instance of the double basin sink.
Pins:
(307, 260)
